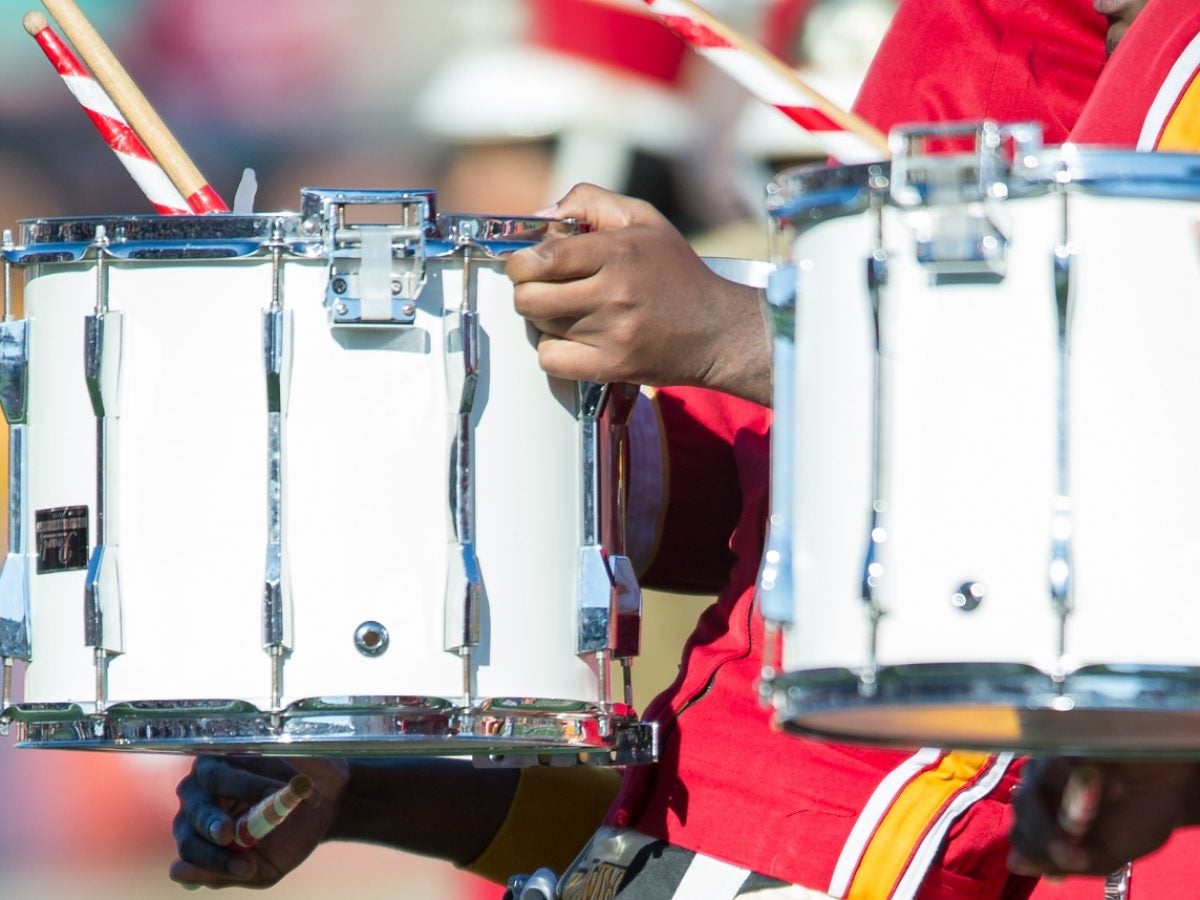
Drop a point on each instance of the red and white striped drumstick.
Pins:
(1080, 801)
(265, 815)
(134, 106)
(146, 173)
(846, 137)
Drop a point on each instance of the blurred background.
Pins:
(499, 105)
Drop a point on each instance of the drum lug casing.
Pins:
(610, 600)
(102, 591)
(18, 565)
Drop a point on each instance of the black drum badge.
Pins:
(62, 539)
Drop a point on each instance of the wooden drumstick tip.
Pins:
(35, 23)
(265, 815)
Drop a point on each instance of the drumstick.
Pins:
(135, 107)
(121, 139)
(1080, 801)
(844, 135)
(265, 815)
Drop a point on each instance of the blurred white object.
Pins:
(602, 77)
(243, 200)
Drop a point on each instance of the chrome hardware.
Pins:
(277, 614)
(597, 590)
(1061, 561)
(954, 219)
(103, 349)
(15, 640)
(969, 596)
(541, 885)
(465, 591)
(500, 732)
(775, 588)
(920, 177)
(375, 271)
(873, 565)
(610, 599)
(371, 639)
(1118, 884)
(614, 429)
(6, 244)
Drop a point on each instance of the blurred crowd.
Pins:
(500, 105)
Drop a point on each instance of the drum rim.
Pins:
(219, 236)
(802, 190)
(828, 702)
(506, 730)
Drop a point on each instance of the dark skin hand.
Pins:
(399, 803)
(630, 301)
(1141, 803)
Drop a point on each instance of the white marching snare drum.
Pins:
(288, 484)
(984, 514)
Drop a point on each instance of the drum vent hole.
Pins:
(371, 639)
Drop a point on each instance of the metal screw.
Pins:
(969, 595)
(339, 285)
(341, 309)
(396, 288)
(408, 309)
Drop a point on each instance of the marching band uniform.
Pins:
(749, 808)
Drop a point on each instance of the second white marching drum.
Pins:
(295, 484)
(984, 521)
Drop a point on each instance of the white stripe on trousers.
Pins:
(711, 879)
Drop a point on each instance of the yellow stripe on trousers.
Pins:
(907, 821)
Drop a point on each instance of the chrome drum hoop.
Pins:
(498, 732)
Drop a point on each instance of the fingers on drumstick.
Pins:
(1080, 800)
(264, 816)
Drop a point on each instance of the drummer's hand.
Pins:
(217, 790)
(1141, 803)
(631, 301)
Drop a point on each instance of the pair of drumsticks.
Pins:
(124, 116)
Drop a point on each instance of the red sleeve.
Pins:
(703, 492)
(1148, 96)
(1007, 60)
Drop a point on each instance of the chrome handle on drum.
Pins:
(15, 642)
(277, 614)
(376, 272)
(103, 349)
(956, 232)
(465, 592)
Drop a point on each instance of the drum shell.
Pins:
(366, 486)
(970, 478)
